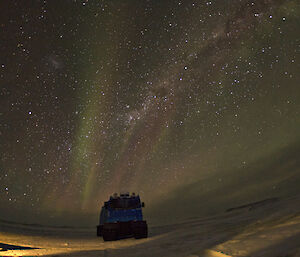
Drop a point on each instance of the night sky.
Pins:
(98, 97)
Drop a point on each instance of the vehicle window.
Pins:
(129, 203)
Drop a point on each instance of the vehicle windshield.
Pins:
(125, 203)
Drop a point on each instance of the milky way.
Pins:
(147, 96)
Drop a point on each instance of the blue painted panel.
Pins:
(124, 215)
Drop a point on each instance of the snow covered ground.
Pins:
(269, 228)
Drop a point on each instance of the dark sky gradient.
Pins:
(147, 96)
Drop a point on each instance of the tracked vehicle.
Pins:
(121, 217)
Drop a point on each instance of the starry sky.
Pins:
(148, 96)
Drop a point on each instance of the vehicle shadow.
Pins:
(6, 247)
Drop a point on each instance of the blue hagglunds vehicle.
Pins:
(121, 216)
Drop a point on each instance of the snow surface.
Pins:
(270, 228)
